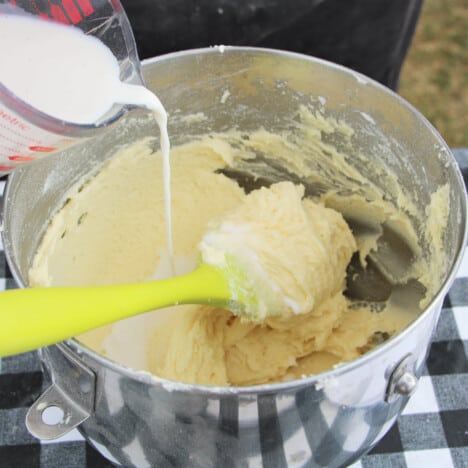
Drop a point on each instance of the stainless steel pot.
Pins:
(329, 419)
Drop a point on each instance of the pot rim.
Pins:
(322, 377)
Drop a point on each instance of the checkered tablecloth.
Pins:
(431, 432)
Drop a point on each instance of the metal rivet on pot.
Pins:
(406, 384)
(402, 380)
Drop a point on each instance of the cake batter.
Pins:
(294, 251)
(112, 230)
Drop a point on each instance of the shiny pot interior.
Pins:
(264, 87)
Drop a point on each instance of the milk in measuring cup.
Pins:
(62, 72)
(66, 74)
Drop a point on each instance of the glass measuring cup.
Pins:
(26, 133)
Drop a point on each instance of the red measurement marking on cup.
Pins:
(68, 11)
(58, 14)
(86, 7)
(65, 11)
(10, 140)
(6, 168)
(13, 121)
(72, 11)
(42, 149)
(22, 135)
(18, 158)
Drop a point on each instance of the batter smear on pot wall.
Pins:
(112, 230)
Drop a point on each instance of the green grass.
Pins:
(435, 75)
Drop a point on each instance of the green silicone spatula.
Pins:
(35, 317)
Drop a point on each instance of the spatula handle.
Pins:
(35, 317)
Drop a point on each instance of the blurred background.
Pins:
(370, 36)
(435, 73)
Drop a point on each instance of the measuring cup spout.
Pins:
(55, 46)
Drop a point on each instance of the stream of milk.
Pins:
(74, 77)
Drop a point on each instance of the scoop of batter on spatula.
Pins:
(275, 254)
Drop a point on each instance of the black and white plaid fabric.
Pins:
(431, 432)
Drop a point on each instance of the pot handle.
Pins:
(68, 402)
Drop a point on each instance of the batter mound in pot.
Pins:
(112, 230)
